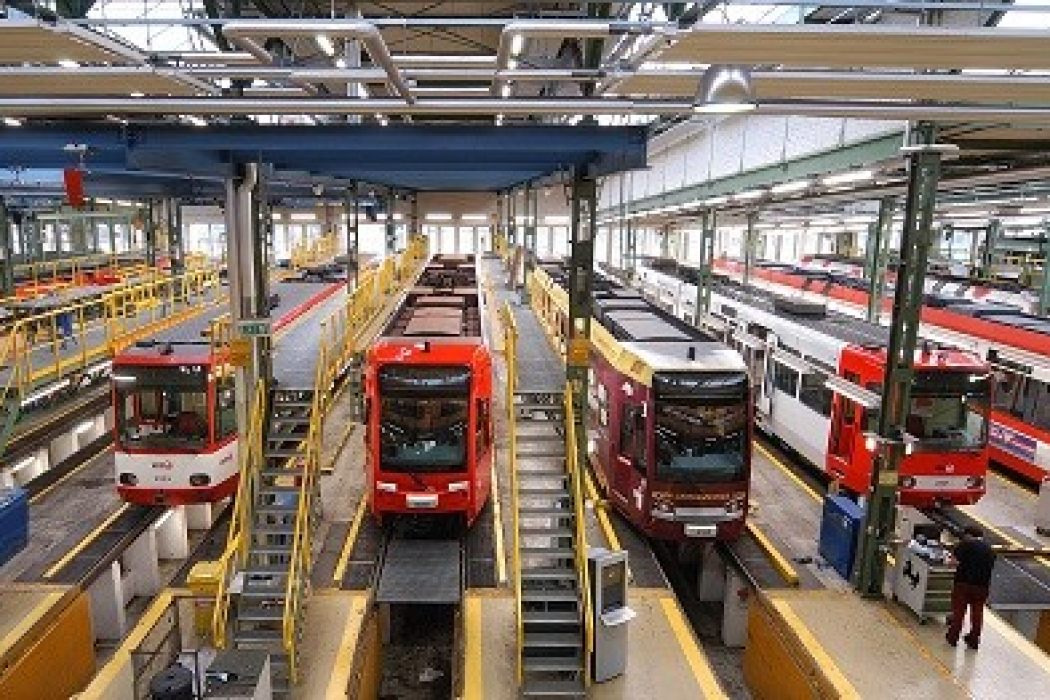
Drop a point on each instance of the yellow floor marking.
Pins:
(944, 669)
(702, 671)
(1018, 641)
(1010, 482)
(599, 511)
(497, 524)
(838, 680)
(37, 498)
(1013, 542)
(794, 477)
(474, 679)
(82, 545)
(348, 545)
(19, 631)
(344, 658)
(780, 562)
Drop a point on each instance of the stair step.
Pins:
(275, 591)
(550, 596)
(546, 640)
(257, 636)
(547, 531)
(258, 550)
(536, 490)
(274, 489)
(273, 613)
(558, 552)
(283, 453)
(294, 420)
(276, 472)
(273, 528)
(549, 573)
(551, 617)
(535, 688)
(552, 452)
(545, 511)
(260, 573)
(552, 664)
(277, 509)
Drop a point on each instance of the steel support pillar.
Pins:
(707, 257)
(249, 291)
(924, 166)
(7, 272)
(390, 227)
(413, 220)
(630, 249)
(531, 205)
(1044, 286)
(152, 223)
(992, 234)
(581, 279)
(353, 227)
(176, 250)
(877, 253)
(748, 245)
(665, 241)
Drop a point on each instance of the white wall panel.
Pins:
(807, 135)
(764, 141)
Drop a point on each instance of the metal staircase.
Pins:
(553, 662)
(260, 616)
(553, 597)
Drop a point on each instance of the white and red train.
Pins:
(668, 412)
(1016, 344)
(429, 411)
(818, 376)
(174, 409)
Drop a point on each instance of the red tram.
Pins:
(428, 389)
(668, 416)
(174, 408)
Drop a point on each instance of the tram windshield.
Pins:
(162, 408)
(424, 418)
(701, 440)
(949, 410)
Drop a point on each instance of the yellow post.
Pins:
(203, 582)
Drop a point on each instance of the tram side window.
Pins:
(1023, 397)
(632, 436)
(483, 436)
(225, 407)
(815, 395)
(785, 379)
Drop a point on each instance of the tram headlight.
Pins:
(974, 482)
(199, 480)
(664, 506)
(908, 482)
(128, 479)
(734, 506)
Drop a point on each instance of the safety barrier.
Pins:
(510, 350)
(575, 469)
(313, 252)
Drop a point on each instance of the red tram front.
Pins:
(428, 388)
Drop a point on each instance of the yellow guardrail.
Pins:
(318, 250)
(510, 349)
(575, 470)
(34, 347)
(249, 458)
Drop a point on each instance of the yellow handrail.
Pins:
(510, 349)
(583, 576)
(234, 556)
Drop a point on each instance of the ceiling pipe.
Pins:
(245, 33)
(210, 58)
(80, 106)
(586, 29)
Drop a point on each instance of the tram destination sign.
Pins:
(254, 327)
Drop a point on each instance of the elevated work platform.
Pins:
(830, 644)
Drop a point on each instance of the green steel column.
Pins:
(665, 241)
(992, 235)
(413, 219)
(581, 278)
(878, 251)
(1044, 287)
(749, 242)
(150, 231)
(390, 227)
(353, 223)
(924, 166)
(707, 255)
(176, 249)
(7, 273)
(531, 204)
(630, 257)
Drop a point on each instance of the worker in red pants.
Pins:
(972, 577)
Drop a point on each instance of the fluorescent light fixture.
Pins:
(557, 219)
(302, 216)
(103, 200)
(422, 59)
(438, 216)
(505, 90)
(512, 64)
(729, 108)
(715, 201)
(122, 378)
(326, 44)
(136, 94)
(397, 216)
(748, 195)
(383, 121)
(340, 62)
(84, 427)
(475, 217)
(499, 120)
(848, 178)
(195, 120)
(68, 63)
(125, 203)
(789, 187)
(1036, 210)
(12, 122)
(517, 44)
(858, 219)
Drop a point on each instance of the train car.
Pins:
(818, 375)
(175, 427)
(1016, 344)
(668, 415)
(428, 389)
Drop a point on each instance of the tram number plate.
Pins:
(430, 501)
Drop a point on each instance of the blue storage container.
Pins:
(839, 531)
(14, 522)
